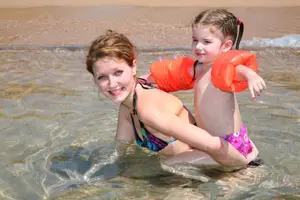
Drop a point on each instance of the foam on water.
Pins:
(288, 41)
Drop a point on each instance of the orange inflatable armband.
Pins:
(173, 75)
(223, 72)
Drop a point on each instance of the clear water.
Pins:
(57, 134)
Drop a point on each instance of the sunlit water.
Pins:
(57, 134)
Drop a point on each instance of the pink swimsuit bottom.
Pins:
(240, 140)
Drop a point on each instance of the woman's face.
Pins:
(114, 78)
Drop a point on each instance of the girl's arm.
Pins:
(230, 74)
(125, 132)
(173, 75)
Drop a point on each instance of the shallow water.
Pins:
(57, 134)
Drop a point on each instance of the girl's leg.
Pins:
(192, 157)
(190, 164)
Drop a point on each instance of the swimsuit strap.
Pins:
(135, 132)
(145, 85)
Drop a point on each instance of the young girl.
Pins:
(217, 73)
(153, 118)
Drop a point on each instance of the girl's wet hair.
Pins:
(222, 20)
(113, 45)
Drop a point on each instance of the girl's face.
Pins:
(206, 45)
(114, 78)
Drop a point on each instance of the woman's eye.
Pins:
(118, 73)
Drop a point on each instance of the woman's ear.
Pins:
(226, 46)
(134, 67)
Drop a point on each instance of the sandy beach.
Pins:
(148, 24)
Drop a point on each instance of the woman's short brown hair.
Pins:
(111, 44)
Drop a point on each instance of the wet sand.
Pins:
(155, 24)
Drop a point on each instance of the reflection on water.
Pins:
(16, 90)
(57, 134)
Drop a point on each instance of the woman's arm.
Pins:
(125, 132)
(196, 137)
(168, 123)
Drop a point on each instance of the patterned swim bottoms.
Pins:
(240, 140)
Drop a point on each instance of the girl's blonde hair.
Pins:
(222, 20)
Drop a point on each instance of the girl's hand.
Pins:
(256, 84)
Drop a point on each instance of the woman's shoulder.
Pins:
(158, 100)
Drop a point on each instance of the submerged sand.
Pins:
(148, 23)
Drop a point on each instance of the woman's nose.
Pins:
(112, 82)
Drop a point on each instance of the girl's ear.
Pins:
(133, 68)
(226, 46)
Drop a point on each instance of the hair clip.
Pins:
(239, 21)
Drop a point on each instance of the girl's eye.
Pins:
(207, 41)
(100, 77)
(118, 72)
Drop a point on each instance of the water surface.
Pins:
(57, 133)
